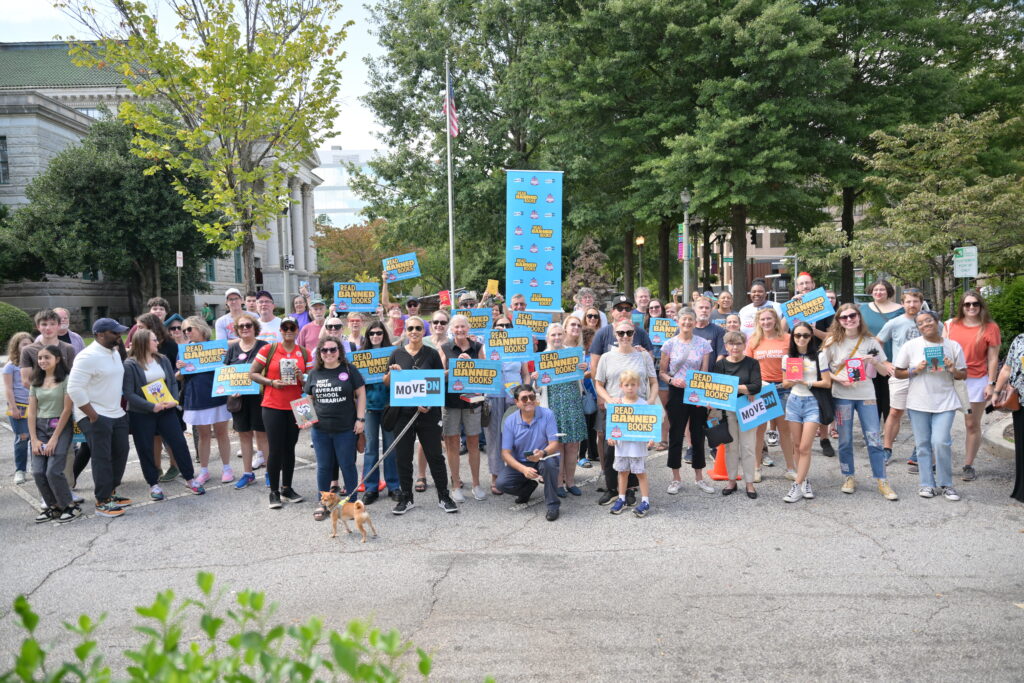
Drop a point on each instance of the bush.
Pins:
(1007, 311)
(12, 321)
(237, 644)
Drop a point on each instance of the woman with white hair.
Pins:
(458, 415)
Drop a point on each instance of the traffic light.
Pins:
(753, 237)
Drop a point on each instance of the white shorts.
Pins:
(976, 388)
(898, 393)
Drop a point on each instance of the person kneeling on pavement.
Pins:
(529, 447)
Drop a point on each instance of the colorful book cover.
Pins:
(794, 369)
(855, 370)
(289, 370)
(305, 414)
(935, 357)
(157, 392)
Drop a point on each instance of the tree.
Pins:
(932, 191)
(16, 263)
(354, 254)
(251, 87)
(588, 270)
(95, 209)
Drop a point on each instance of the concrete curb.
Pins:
(993, 437)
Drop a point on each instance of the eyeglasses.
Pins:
(467, 303)
(177, 328)
(623, 309)
(849, 316)
(624, 333)
(289, 328)
(504, 326)
(439, 322)
(245, 326)
(413, 328)
(376, 333)
(329, 349)
(801, 336)
(593, 316)
(528, 398)
(413, 304)
(972, 304)
(186, 330)
(334, 327)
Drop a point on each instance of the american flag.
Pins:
(448, 108)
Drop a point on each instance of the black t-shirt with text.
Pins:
(333, 392)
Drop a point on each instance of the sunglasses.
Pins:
(177, 328)
(528, 398)
(801, 336)
(334, 327)
(186, 330)
(438, 322)
(849, 316)
(329, 349)
(414, 328)
(246, 326)
(623, 309)
(413, 304)
(972, 304)
(376, 333)
(593, 316)
(624, 333)
(289, 328)
(504, 326)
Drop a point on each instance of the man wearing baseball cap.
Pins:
(225, 325)
(95, 387)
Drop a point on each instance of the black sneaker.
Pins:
(968, 473)
(121, 500)
(47, 515)
(523, 500)
(912, 467)
(370, 497)
(275, 500)
(607, 497)
(288, 494)
(404, 505)
(826, 449)
(630, 497)
(70, 514)
(447, 504)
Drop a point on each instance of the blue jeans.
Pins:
(334, 450)
(869, 426)
(20, 428)
(933, 437)
(374, 441)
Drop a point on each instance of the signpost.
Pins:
(965, 262)
(179, 262)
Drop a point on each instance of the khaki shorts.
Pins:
(453, 419)
(898, 393)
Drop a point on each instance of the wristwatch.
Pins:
(360, 419)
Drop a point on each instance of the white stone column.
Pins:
(309, 226)
(273, 245)
(298, 238)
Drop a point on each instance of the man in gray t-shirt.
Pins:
(899, 331)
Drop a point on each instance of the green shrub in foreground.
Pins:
(238, 644)
(12, 320)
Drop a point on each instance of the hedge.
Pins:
(12, 321)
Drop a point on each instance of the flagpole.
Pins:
(451, 196)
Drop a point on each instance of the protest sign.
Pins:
(533, 238)
(711, 389)
(509, 345)
(474, 376)
(537, 323)
(372, 363)
(479, 319)
(356, 296)
(233, 379)
(765, 407)
(634, 421)
(810, 307)
(558, 367)
(661, 330)
(414, 388)
(202, 356)
(402, 267)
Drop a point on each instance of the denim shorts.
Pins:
(802, 409)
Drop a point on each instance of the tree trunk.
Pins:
(738, 219)
(846, 266)
(664, 258)
(248, 260)
(627, 264)
(157, 286)
(706, 233)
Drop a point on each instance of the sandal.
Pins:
(421, 485)
(495, 491)
(584, 463)
(320, 513)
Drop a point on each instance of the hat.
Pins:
(264, 293)
(108, 325)
(412, 301)
(468, 296)
(232, 290)
(173, 318)
(317, 302)
(621, 299)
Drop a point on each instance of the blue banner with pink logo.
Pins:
(533, 238)
(634, 421)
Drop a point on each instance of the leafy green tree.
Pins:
(95, 208)
(252, 87)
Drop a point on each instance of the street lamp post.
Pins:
(640, 240)
(684, 197)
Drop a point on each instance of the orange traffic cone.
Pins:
(719, 472)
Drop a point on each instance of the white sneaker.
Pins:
(791, 475)
(19, 477)
(805, 488)
(479, 493)
(674, 486)
(771, 437)
(766, 461)
(77, 499)
(227, 475)
(258, 460)
(794, 494)
(457, 495)
(926, 492)
(238, 454)
(704, 486)
(757, 475)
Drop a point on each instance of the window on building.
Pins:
(90, 112)
(777, 240)
(101, 312)
(238, 264)
(5, 169)
(87, 317)
(211, 270)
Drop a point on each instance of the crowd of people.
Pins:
(71, 405)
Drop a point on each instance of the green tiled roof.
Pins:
(47, 65)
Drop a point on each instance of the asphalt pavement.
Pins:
(706, 587)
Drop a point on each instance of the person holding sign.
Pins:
(203, 411)
(850, 345)
(932, 402)
(149, 417)
(680, 354)
(767, 345)
(427, 422)
(875, 314)
(512, 373)
(566, 401)
(803, 372)
(378, 439)
(529, 448)
(247, 421)
(631, 456)
(898, 332)
(459, 414)
(747, 371)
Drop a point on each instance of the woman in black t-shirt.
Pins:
(427, 425)
(748, 372)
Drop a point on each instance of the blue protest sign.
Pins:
(634, 421)
(637, 318)
(557, 367)
(233, 379)
(356, 296)
(661, 330)
(479, 319)
(509, 345)
(402, 267)
(414, 388)
(474, 376)
(711, 389)
(766, 406)
(202, 356)
(810, 307)
(372, 363)
(533, 238)
(535, 322)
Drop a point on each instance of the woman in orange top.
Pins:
(974, 331)
(768, 344)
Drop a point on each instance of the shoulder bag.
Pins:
(718, 433)
(826, 407)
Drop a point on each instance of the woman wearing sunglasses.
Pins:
(354, 337)
(848, 350)
(876, 313)
(333, 327)
(248, 420)
(656, 309)
(459, 416)
(438, 330)
(566, 401)
(973, 329)
(512, 372)
(378, 439)
(208, 416)
(592, 318)
(802, 414)
(767, 345)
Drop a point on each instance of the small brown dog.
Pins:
(355, 511)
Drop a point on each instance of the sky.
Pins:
(38, 20)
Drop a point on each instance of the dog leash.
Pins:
(355, 494)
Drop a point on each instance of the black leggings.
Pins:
(282, 435)
(589, 444)
(82, 457)
(882, 395)
(679, 414)
(428, 428)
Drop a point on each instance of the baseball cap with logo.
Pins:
(108, 325)
(622, 299)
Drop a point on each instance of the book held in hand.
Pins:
(305, 414)
(794, 369)
(289, 370)
(855, 370)
(934, 356)
(157, 392)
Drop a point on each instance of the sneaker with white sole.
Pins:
(246, 479)
(766, 461)
(447, 504)
(19, 477)
(227, 475)
(618, 506)
(457, 495)
(849, 485)
(203, 476)
(886, 490)
(794, 494)
(950, 493)
(791, 475)
(70, 514)
(674, 486)
(771, 437)
(479, 493)
(805, 489)
(704, 486)
(926, 492)
(258, 460)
